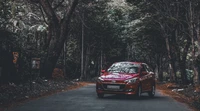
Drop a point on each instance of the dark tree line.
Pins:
(82, 37)
(177, 23)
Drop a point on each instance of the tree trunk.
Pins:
(158, 71)
(172, 73)
(173, 62)
(182, 62)
(169, 53)
(82, 50)
(191, 32)
(87, 59)
(183, 72)
(196, 66)
(64, 62)
(60, 32)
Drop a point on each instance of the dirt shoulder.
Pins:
(12, 95)
(184, 95)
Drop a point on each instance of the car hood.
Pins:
(118, 76)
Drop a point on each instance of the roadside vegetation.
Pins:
(78, 38)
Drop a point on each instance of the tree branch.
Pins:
(49, 10)
(58, 5)
(69, 12)
(83, 21)
(43, 14)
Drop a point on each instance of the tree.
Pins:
(7, 45)
(180, 29)
(58, 29)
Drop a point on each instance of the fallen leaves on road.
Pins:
(186, 95)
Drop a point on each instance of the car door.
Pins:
(144, 77)
(149, 77)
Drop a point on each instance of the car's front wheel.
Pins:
(100, 95)
(152, 92)
(139, 91)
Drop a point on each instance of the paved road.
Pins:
(85, 99)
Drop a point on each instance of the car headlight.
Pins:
(100, 79)
(133, 80)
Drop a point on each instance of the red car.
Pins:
(129, 78)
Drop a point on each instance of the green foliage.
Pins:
(5, 13)
(190, 74)
(165, 76)
(22, 26)
(172, 20)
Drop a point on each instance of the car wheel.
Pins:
(152, 92)
(139, 91)
(100, 95)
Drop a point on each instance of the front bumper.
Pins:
(122, 88)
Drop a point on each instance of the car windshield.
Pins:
(124, 67)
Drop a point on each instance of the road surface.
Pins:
(85, 99)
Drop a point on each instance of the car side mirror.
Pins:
(103, 71)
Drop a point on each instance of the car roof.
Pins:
(130, 62)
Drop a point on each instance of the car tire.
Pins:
(139, 91)
(100, 95)
(152, 92)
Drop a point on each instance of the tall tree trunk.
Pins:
(169, 53)
(182, 62)
(197, 77)
(172, 73)
(64, 62)
(82, 50)
(87, 59)
(191, 32)
(60, 33)
(174, 50)
(158, 68)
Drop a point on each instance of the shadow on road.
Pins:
(125, 97)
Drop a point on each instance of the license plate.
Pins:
(113, 87)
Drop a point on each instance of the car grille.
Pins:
(121, 87)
